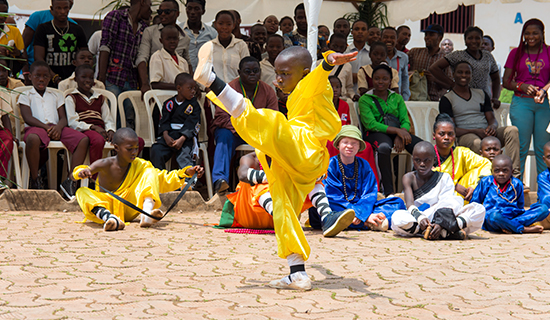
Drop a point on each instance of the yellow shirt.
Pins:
(12, 33)
(469, 167)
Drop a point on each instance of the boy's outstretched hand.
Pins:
(191, 171)
(341, 58)
(86, 173)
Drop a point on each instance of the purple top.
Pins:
(118, 38)
(532, 69)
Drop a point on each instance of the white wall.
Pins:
(497, 20)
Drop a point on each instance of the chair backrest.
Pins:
(157, 97)
(144, 122)
(423, 114)
(16, 111)
(502, 114)
(111, 98)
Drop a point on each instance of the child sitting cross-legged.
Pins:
(543, 181)
(130, 178)
(503, 199)
(433, 210)
(43, 111)
(351, 184)
(179, 125)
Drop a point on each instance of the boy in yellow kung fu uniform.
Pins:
(292, 152)
(131, 178)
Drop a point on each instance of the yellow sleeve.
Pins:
(77, 170)
(171, 180)
(474, 168)
(18, 39)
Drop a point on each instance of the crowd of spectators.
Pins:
(130, 53)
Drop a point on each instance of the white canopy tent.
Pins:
(251, 10)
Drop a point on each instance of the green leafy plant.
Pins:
(375, 13)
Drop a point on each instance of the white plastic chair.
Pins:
(144, 123)
(423, 114)
(502, 115)
(53, 146)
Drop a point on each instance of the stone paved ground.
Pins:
(53, 268)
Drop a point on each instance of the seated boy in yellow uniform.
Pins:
(292, 152)
(131, 178)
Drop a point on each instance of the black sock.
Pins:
(217, 86)
(297, 268)
(101, 213)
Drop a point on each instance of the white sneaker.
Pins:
(296, 281)
(204, 67)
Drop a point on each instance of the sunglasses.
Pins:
(167, 11)
(251, 71)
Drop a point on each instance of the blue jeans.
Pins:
(129, 111)
(226, 143)
(531, 119)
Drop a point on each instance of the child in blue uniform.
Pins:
(502, 196)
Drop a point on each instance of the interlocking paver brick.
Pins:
(52, 267)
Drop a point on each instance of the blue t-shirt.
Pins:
(36, 19)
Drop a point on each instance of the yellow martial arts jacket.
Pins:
(297, 148)
(469, 167)
(143, 180)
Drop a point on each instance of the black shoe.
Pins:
(68, 188)
(220, 186)
(337, 221)
(459, 235)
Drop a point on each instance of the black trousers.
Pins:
(161, 152)
(383, 143)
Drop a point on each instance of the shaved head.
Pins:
(424, 146)
(123, 134)
(490, 139)
(504, 160)
(297, 56)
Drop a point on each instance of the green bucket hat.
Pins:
(349, 131)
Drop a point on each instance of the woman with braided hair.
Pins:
(463, 165)
(527, 73)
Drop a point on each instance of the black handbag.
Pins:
(389, 119)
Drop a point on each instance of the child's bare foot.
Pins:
(113, 224)
(435, 232)
(147, 221)
(533, 229)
